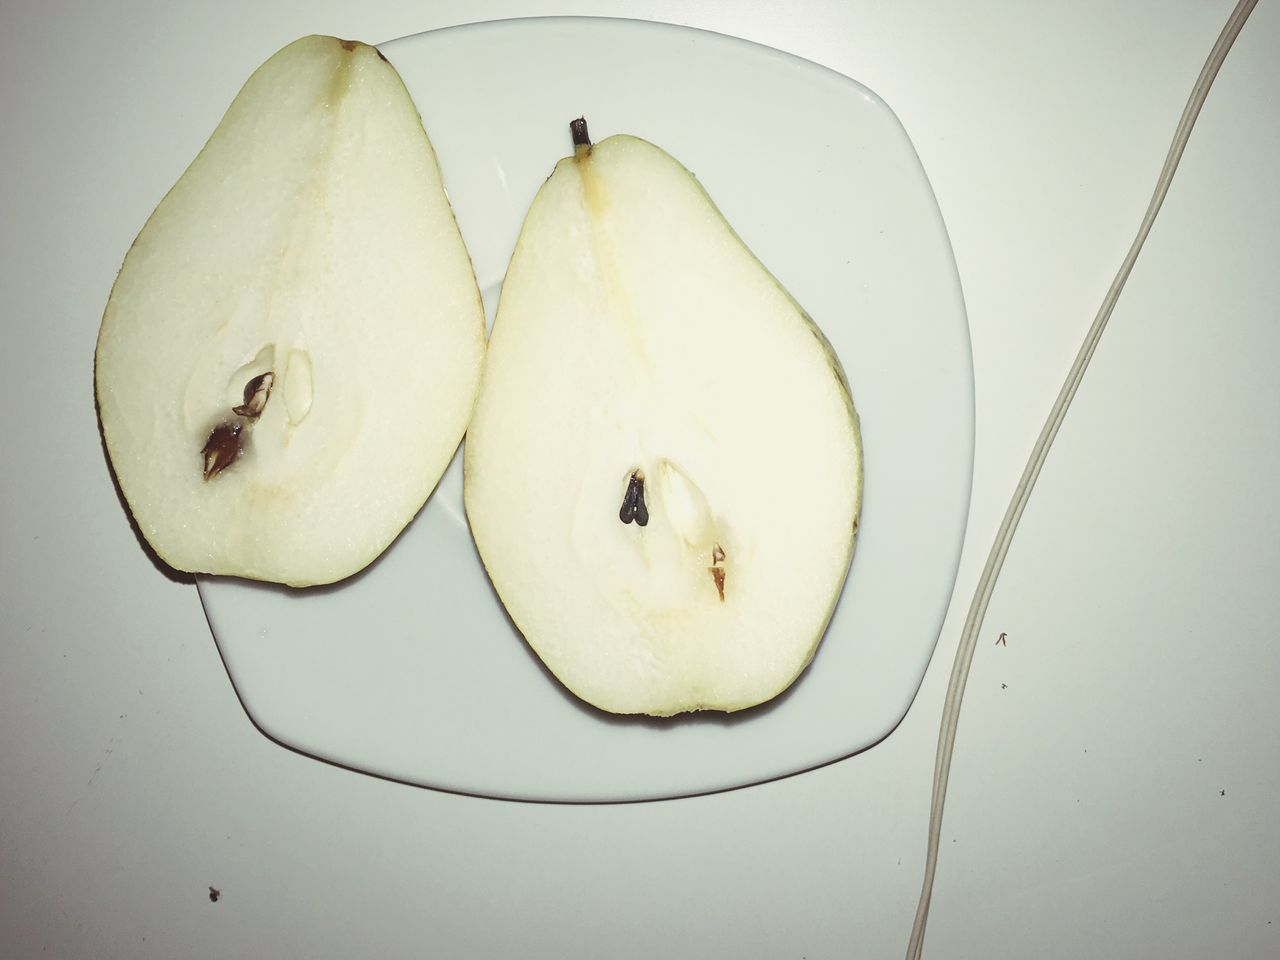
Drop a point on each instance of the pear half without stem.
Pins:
(292, 348)
(663, 474)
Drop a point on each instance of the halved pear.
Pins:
(663, 473)
(292, 348)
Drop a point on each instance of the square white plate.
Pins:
(411, 670)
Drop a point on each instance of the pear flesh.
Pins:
(663, 472)
(292, 348)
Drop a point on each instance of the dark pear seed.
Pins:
(222, 448)
(633, 506)
(642, 511)
(256, 393)
(627, 513)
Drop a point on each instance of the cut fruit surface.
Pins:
(291, 351)
(663, 472)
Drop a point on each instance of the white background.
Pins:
(1118, 770)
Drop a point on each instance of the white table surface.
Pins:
(1118, 771)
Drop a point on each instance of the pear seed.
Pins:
(256, 393)
(222, 448)
(628, 511)
(642, 511)
(633, 505)
(717, 574)
(717, 570)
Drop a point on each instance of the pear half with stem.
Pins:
(663, 473)
(292, 348)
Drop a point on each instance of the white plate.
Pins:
(411, 669)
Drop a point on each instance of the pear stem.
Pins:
(581, 138)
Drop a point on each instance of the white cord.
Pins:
(995, 560)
